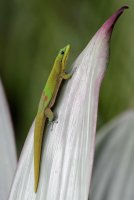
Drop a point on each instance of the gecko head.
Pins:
(64, 55)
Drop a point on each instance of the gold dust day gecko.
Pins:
(46, 102)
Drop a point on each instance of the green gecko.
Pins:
(46, 103)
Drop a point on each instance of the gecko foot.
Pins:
(51, 123)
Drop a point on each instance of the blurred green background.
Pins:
(31, 34)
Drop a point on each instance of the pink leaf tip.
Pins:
(107, 27)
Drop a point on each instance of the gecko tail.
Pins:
(38, 134)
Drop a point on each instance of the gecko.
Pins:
(47, 101)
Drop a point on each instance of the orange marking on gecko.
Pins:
(46, 98)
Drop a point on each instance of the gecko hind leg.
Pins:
(49, 114)
(51, 118)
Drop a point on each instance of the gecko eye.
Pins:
(62, 52)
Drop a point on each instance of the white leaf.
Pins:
(8, 158)
(113, 176)
(68, 147)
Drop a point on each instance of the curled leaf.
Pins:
(68, 147)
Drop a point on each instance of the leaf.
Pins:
(113, 174)
(8, 158)
(68, 147)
